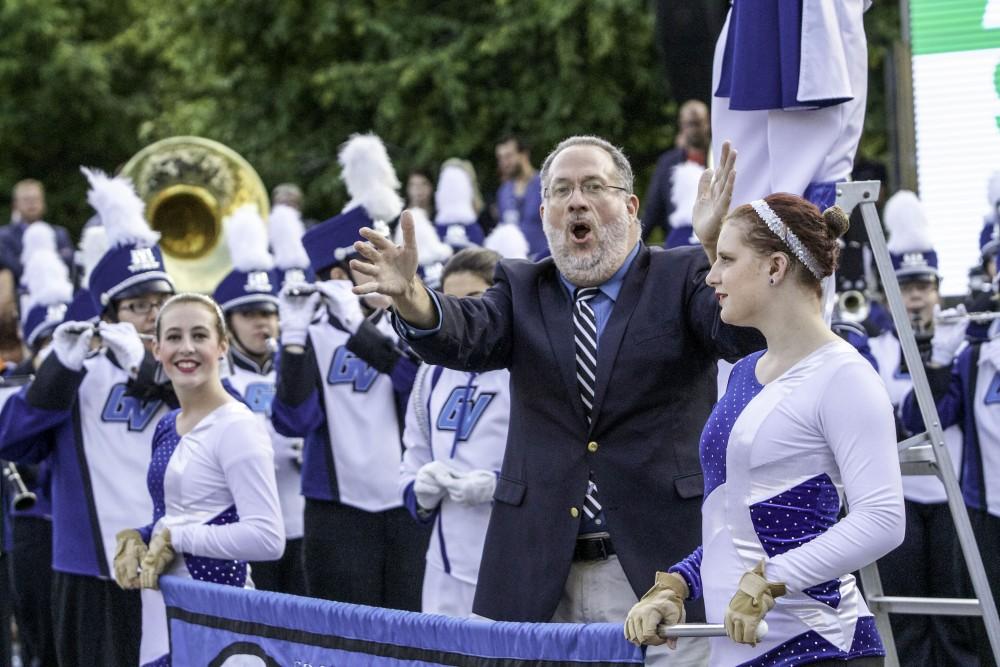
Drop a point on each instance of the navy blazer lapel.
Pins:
(557, 312)
(611, 337)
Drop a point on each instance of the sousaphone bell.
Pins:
(190, 186)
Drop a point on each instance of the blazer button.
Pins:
(591, 447)
(574, 512)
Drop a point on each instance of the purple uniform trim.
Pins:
(811, 647)
(760, 64)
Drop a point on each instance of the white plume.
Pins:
(508, 241)
(39, 236)
(993, 190)
(285, 230)
(120, 209)
(370, 178)
(906, 221)
(93, 245)
(457, 235)
(46, 278)
(684, 192)
(453, 197)
(430, 247)
(247, 239)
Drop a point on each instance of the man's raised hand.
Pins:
(392, 268)
(715, 193)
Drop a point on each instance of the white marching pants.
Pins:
(785, 151)
(444, 594)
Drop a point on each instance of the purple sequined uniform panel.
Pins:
(216, 570)
(743, 386)
(811, 647)
(795, 517)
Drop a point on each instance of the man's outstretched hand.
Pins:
(392, 272)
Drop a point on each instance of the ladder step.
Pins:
(936, 606)
(917, 440)
(919, 460)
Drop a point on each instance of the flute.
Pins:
(97, 332)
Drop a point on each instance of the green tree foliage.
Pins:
(291, 81)
(285, 83)
(68, 97)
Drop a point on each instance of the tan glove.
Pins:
(129, 551)
(156, 560)
(754, 598)
(663, 603)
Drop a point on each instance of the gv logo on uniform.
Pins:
(993, 393)
(346, 367)
(128, 409)
(259, 396)
(462, 411)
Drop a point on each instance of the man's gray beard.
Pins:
(597, 267)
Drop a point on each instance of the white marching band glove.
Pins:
(472, 488)
(342, 303)
(123, 341)
(71, 343)
(297, 304)
(430, 484)
(948, 336)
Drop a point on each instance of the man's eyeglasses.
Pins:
(589, 189)
(141, 308)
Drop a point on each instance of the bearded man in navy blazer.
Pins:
(601, 482)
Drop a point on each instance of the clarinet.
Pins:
(24, 498)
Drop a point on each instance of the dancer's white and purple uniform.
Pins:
(214, 488)
(779, 460)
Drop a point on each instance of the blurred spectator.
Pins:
(693, 137)
(520, 193)
(420, 191)
(28, 207)
(288, 194)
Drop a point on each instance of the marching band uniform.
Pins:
(965, 391)
(345, 393)
(459, 419)
(78, 412)
(29, 534)
(790, 82)
(912, 569)
(49, 291)
(251, 285)
(455, 216)
(966, 394)
(255, 383)
(778, 459)
(683, 194)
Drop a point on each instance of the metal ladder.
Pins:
(922, 454)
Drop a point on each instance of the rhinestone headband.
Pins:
(781, 230)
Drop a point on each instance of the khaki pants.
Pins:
(598, 592)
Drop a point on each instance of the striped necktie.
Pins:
(585, 336)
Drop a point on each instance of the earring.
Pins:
(771, 281)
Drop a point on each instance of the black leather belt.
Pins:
(593, 548)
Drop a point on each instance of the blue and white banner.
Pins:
(226, 626)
